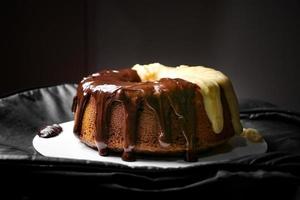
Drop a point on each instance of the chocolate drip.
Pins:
(74, 104)
(103, 102)
(159, 103)
(128, 156)
(102, 87)
(131, 100)
(165, 97)
(181, 98)
(164, 118)
(79, 115)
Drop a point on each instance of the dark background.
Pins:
(255, 42)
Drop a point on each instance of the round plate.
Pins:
(67, 145)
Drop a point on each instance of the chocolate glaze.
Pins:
(164, 97)
(50, 131)
(128, 156)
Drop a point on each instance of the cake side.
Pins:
(148, 129)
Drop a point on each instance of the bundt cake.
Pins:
(157, 110)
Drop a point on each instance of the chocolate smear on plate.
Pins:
(50, 131)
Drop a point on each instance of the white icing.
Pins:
(209, 81)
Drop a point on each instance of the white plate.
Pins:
(67, 145)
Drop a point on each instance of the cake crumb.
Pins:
(252, 134)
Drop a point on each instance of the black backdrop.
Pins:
(255, 42)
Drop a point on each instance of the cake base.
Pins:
(67, 145)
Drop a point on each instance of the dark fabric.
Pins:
(275, 173)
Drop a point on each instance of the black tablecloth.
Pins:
(275, 173)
